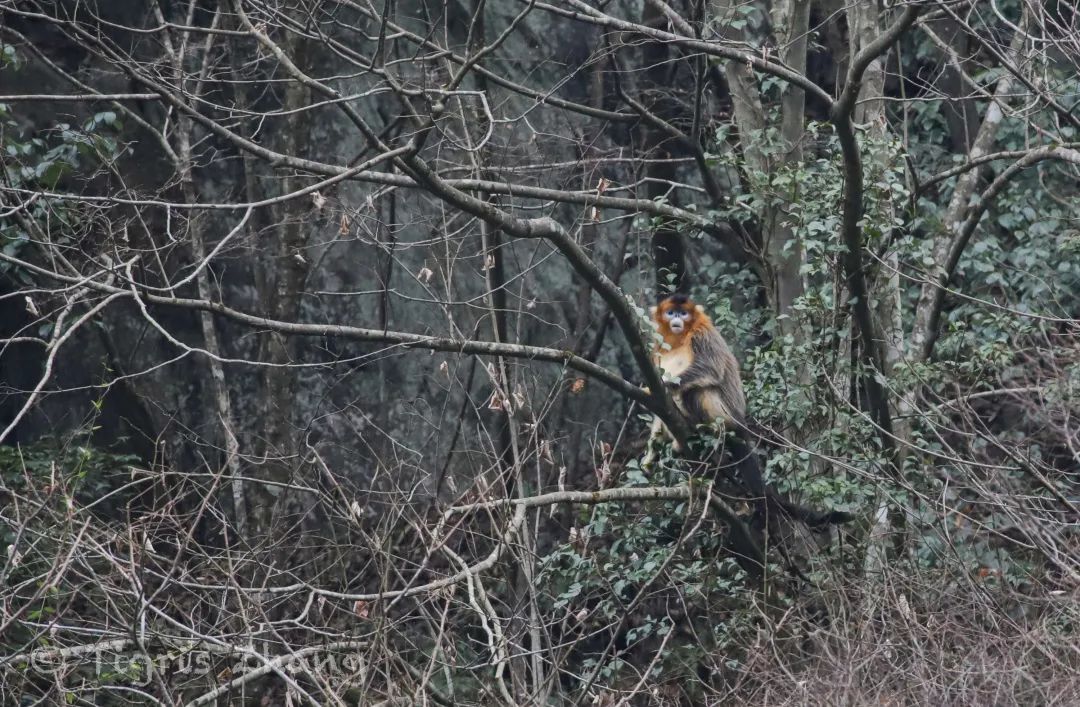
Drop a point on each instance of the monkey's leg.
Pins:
(707, 404)
(658, 431)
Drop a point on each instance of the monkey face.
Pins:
(676, 314)
(677, 319)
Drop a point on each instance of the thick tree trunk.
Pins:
(668, 249)
(791, 22)
(289, 266)
(864, 26)
(782, 252)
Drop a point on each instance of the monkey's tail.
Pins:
(768, 499)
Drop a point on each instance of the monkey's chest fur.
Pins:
(706, 377)
(675, 362)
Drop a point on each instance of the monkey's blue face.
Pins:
(677, 319)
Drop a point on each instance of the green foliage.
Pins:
(798, 379)
(801, 379)
(9, 56)
(803, 384)
(85, 472)
(1020, 260)
(72, 481)
(69, 475)
(43, 161)
(635, 563)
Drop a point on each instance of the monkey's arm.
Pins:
(710, 387)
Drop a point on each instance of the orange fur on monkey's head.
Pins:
(679, 319)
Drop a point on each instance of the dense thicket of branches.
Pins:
(325, 369)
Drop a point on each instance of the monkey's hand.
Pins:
(671, 385)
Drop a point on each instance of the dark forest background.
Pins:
(325, 370)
